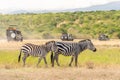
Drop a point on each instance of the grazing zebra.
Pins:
(36, 51)
(71, 49)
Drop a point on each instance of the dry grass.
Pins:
(58, 73)
(16, 45)
(90, 65)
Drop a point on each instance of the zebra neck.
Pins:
(82, 47)
(47, 49)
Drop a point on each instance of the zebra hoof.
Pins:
(69, 65)
(52, 65)
(76, 66)
(58, 64)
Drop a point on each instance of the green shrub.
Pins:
(118, 35)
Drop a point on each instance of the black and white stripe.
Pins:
(36, 51)
(66, 49)
(72, 49)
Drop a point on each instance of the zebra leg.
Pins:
(24, 58)
(45, 61)
(76, 58)
(56, 58)
(53, 60)
(39, 60)
(71, 60)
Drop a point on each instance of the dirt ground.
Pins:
(16, 45)
(69, 73)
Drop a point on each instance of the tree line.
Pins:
(52, 25)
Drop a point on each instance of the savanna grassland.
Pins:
(101, 65)
(40, 28)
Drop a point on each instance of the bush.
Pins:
(47, 36)
(118, 35)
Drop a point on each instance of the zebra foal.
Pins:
(36, 50)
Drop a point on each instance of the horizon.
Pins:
(50, 4)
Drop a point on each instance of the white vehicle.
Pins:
(103, 37)
(13, 34)
(66, 37)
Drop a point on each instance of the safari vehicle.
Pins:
(13, 34)
(103, 37)
(66, 37)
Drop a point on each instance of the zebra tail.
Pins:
(51, 57)
(19, 56)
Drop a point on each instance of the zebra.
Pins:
(71, 49)
(36, 50)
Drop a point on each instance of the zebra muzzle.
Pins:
(95, 50)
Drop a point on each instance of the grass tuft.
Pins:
(90, 65)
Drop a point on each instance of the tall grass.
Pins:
(103, 56)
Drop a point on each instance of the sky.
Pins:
(49, 4)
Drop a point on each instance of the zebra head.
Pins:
(90, 45)
(51, 46)
(87, 44)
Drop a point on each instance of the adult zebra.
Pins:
(36, 51)
(71, 49)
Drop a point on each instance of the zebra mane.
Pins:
(83, 44)
(34, 44)
(85, 40)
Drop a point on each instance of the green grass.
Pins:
(101, 57)
(110, 56)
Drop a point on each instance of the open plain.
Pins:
(101, 65)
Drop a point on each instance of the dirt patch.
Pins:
(74, 73)
(4, 45)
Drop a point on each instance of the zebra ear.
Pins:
(49, 42)
(46, 43)
(88, 40)
(53, 41)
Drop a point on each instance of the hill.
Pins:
(105, 7)
(51, 25)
